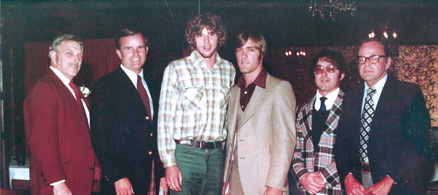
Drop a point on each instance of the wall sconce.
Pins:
(296, 57)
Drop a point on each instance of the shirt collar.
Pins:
(63, 78)
(331, 98)
(198, 62)
(378, 86)
(132, 75)
(259, 81)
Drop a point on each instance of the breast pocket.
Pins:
(194, 98)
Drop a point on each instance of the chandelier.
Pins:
(331, 8)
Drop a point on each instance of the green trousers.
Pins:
(202, 170)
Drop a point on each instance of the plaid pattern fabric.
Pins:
(305, 158)
(193, 103)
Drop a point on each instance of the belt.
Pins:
(366, 167)
(200, 144)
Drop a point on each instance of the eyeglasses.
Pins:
(319, 69)
(373, 59)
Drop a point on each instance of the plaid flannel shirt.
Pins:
(193, 103)
(305, 159)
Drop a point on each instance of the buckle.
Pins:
(206, 145)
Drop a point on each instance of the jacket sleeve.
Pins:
(41, 111)
(298, 162)
(284, 136)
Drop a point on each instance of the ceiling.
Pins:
(284, 23)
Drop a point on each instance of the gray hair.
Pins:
(65, 37)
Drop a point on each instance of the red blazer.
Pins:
(59, 139)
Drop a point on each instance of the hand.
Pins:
(273, 191)
(174, 178)
(352, 186)
(224, 188)
(123, 187)
(163, 184)
(61, 189)
(381, 188)
(312, 182)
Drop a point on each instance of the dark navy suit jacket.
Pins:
(123, 137)
(398, 144)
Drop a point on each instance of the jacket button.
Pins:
(92, 168)
(147, 117)
(150, 153)
(152, 134)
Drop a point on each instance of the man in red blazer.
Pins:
(57, 127)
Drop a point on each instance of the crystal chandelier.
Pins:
(331, 8)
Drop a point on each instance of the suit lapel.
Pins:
(127, 88)
(61, 86)
(333, 118)
(64, 91)
(257, 99)
(384, 106)
(357, 103)
(233, 109)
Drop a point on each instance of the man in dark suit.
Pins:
(123, 128)
(57, 126)
(383, 134)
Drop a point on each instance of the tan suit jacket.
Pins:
(265, 136)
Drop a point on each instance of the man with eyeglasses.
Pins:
(313, 161)
(382, 143)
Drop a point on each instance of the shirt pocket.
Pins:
(194, 98)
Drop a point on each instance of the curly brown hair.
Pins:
(212, 22)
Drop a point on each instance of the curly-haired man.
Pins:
(192, 117)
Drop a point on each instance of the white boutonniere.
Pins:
(85, 91)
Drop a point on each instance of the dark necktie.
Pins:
(144, 96)
(323, 108)
(78, 96)
(367, 118)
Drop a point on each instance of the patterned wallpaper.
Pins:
(416, 64)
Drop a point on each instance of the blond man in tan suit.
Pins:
(261, 125)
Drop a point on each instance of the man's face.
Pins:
(249, 58)
(206, 43)
(327, 81)
(132, 52)
(372, 73)
(67, 59)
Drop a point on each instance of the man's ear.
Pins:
(388, 62)
(119, 53)
(52, 54)
(342, 76)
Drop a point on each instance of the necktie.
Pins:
(78, 96)
(367, 118)
(323, 108)
(144, 96)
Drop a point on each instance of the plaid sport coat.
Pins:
(305, 158)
